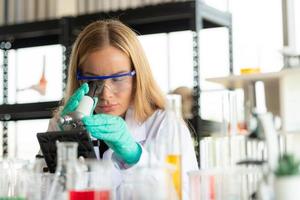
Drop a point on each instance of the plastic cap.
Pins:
(86, 105)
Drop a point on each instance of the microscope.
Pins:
(72, 130)
(262, 128)
(72, 121)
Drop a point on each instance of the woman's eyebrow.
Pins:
(121, 72)
(89, 73)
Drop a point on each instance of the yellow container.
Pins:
(175, 160)
(250, 70)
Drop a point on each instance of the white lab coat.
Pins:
(145, 132)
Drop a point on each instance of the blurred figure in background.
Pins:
(186, 101)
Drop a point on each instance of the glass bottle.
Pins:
(169, 152)
(174, 153)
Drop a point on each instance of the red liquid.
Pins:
(81, 195)
(102, 195)
(89, 195)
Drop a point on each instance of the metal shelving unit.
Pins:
(206, 17)
(27, 111)
(5, 46)
(167, 17)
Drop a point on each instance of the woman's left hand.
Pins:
(114, 132)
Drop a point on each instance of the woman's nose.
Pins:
(106, 92)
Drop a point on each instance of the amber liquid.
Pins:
(175, 160)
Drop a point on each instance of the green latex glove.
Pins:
(114, 132)
(74, 100)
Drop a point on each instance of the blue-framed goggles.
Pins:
(116, 83)
(87, 78)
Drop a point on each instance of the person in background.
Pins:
(186, 101)
(130, 111)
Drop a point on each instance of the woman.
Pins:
(131, 108)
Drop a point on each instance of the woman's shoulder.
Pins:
(167, 114)
(158, 114)
(161, 115)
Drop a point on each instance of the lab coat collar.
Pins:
(137, 129)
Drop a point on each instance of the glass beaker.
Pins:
(234, 183)
(18, 180)
(4, 178)
(141, 182)
(96, 181)
(229, 113)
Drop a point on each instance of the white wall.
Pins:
(258, 36)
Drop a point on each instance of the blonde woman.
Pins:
(131, 108)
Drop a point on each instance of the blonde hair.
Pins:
(147, 97)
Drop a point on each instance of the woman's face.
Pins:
(116, 95)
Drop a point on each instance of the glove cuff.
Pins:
(132, 154)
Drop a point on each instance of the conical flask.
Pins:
(65, 177)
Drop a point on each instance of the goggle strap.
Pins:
(81, 77)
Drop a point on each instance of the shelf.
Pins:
(31, 34)
(42, 110)
(239, 81)
(213, 17)
(282, 94)
(167, 17)
(160, 18)
(150, 19)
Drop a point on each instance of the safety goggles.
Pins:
(116, 83)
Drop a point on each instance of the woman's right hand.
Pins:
(74, 100)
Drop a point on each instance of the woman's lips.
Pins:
(108, 108)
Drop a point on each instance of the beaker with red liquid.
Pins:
(89, 195)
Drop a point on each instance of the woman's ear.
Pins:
(134, 81)
(133, 90)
